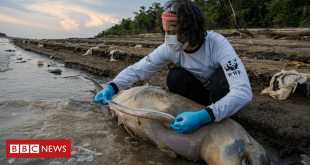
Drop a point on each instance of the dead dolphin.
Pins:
(146, 112)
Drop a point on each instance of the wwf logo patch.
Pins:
(232, 67)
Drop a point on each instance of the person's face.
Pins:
(170, 27)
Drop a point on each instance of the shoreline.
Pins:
(282, 123)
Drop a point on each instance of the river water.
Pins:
(36, 104)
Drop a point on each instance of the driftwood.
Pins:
(228, 33)
(306, 38)
(246, 32)
(279, 34)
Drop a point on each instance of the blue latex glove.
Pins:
(107, 93)
(188, 122)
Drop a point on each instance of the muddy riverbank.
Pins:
(282, 123)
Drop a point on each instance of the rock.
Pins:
(55, 71)
(40, 63)
(21, 62)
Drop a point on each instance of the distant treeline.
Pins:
(144, 21)
(225, 14)
(2, 35)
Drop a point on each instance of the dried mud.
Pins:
(282, 123)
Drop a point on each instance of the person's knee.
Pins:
(173, 78)
(176, 72)
(182, 82)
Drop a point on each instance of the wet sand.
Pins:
(281, 123)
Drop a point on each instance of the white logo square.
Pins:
(34, 148)
(24, 148)
(14, 148)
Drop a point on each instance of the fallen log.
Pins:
(229, 33)
(306, 38)
(246, 32)
(279, 34)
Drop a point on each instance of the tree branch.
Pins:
(234, 14)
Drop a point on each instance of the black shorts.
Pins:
(182, 82)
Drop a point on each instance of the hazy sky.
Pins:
(64, 18)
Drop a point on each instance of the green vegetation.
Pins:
(226, 14)
(144, 21)
(256, 13)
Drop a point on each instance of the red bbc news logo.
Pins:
(38, 148)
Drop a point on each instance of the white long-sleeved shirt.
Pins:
(214, 53)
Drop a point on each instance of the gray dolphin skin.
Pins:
(147, 111)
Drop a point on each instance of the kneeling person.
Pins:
(209, 71)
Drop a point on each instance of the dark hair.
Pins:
(191, 20)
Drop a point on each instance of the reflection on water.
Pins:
(36, 104)
(27, 81)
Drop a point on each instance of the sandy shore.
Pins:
(282, 123)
